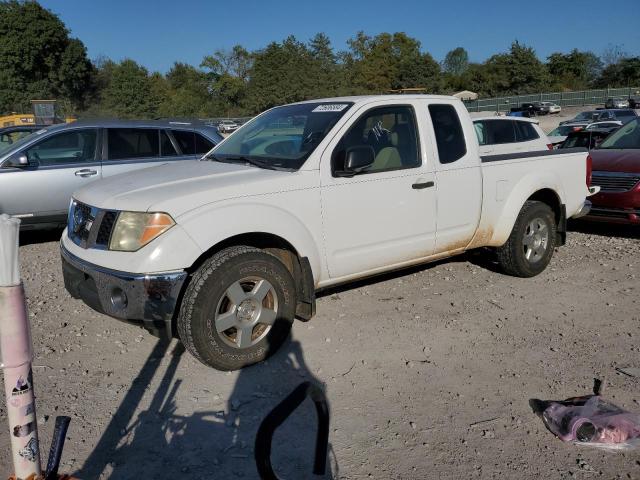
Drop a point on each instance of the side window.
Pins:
(126, 143)
(525, 132)
(186, 141)
(76, 146)
(500, 131)
(391, 133)
(480, 133)
(166, 147)
(203, 145)
(449, 135)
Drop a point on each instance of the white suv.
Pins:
(498, 135)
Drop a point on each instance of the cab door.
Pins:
(384, 215)
(458, 177)
(58, 165)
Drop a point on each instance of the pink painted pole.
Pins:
(16, 355)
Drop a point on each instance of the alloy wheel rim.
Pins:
(246, 312)
(536, 240)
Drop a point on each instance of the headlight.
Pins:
(133, 230)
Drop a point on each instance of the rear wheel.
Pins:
(238, 308)
(530, 246)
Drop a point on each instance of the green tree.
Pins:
(624, 73)
(38, 59)
(183, 92)
(456, 62)
(130, 93)
(514, 73)
(280, 75)
(388, 62)
(575, 70)
(228, 77)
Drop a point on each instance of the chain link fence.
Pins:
(564, 99)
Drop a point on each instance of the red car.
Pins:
(616, 170)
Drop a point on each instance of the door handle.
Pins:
(419, 185)
(85, 172)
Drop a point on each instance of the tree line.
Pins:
(39, 59)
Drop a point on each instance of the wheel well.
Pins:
(551, 198)
(274, 244)
(298, 266)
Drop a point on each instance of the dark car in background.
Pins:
(616, 170)
(39, 172)
(623, 114)
(586, 138)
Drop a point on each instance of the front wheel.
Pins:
(530, 246)
(238, 308)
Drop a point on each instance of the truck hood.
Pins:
(627, 160)
(178, 187)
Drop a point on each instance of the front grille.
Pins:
(615, 181)
(90, 227)
(106, 226)
(80, 223)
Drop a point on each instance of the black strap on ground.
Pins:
(279, 414)
(57, 444)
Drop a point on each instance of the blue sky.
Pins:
(157, 33)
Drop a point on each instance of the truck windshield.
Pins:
(282, 138)
(626, 137)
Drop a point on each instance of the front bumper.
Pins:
(147, 300)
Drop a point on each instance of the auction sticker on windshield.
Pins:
(332, 107)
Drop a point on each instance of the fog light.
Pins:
(119, 298)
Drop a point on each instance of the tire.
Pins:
(246, 290)
(530, 246)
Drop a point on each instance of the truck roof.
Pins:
(368, 98)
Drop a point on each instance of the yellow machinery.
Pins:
(44, 113)
(17, 119)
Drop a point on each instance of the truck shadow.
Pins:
(605, 229)
(161, 441)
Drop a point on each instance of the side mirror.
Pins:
(20, 160)
(357, 160)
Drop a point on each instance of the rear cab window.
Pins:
(448, 131)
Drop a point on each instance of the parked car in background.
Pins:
(227, 126)
(10, 135)
(609, 125)
(624, 115)
(551, 107)
(559, 134)
(497, 135)
(545, 108)
(586, 138)
(616, 169)
(634, 101)
(588, 117)
(616, 102)
(39, 172)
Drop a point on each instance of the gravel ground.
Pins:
(429, 373)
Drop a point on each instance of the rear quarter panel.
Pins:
(509, 183)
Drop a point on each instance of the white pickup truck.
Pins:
(226, 251)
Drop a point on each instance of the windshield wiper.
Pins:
(248, 161)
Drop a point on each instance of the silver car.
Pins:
(39, 172)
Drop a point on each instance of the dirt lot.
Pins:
(429, 374)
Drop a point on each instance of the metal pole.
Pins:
(16, 355)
